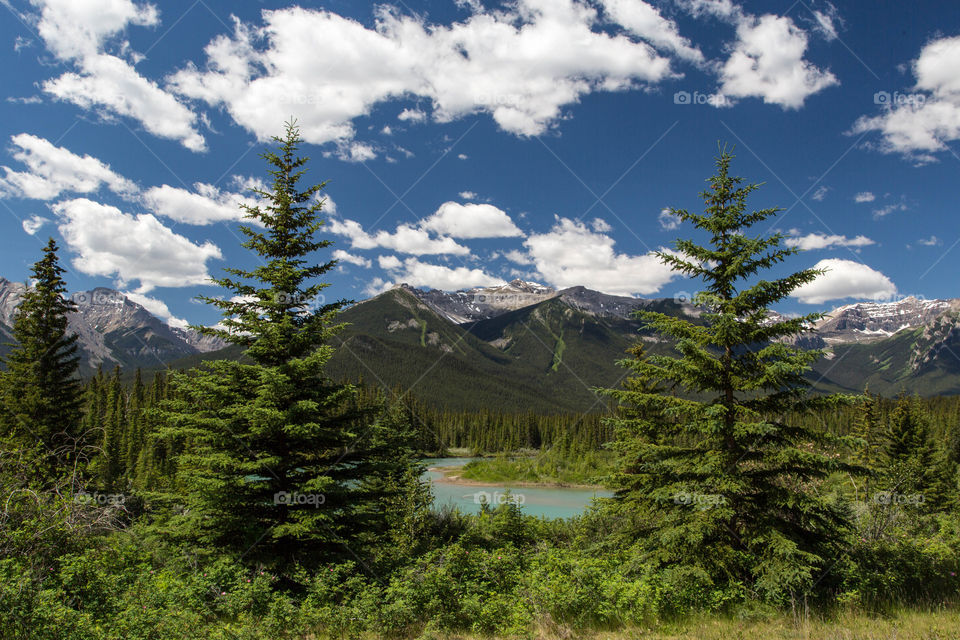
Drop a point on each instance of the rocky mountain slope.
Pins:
(482, 303)
(523, 345)
(114, 330)
(909, 344)
(872, 321)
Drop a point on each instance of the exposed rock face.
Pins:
(601, 304)
(853, 323)
(871, 321)
(939, 340)
(10, 293)
(482, 303)
(115, 330)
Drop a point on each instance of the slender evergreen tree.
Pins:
(136, 405)
(40, 389)
(114, 426)
(917, 473)
(275, 455)
(722, 486)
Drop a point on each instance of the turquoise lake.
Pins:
(540, 502)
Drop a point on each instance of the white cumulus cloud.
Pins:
(52, 170)
(343, 256)
(109, 242)
(571, 254)
(767, 62)
(34, 223)
(824, 241)
(518, 257)
(845, 279)
(78, 32)
(434, 276)
(600, 225)
(471, 220)
(405, 239)
(646, 22)
(412, 115)
(521, 64)
(113, 86)
(158, 308)
(921, 121)
(668, 221)
(886, 210)
(205, 205)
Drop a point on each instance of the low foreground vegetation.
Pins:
(900, 625)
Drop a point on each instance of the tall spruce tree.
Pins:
(40, 390)
(112, 461)
(275, 456)
(717, 484)
(917, 473)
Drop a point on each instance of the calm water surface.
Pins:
(549, 503)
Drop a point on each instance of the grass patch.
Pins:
(902, 625)
(548, 467)
(558, 350)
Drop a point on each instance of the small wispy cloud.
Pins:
(823, 241)
(668, 221)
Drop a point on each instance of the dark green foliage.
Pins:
(866, 430)
(725, 487)
(277, 463)
(915, 471)
(40, 391)
(395, 341)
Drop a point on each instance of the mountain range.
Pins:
(525, 346)
(114, 331)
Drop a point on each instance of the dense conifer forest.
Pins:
(263, 498)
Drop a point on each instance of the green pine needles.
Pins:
(719, 486)
(277, 462)
(40, 390)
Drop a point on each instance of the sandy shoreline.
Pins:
(449, 475)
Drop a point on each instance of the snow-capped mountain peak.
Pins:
(866, 321)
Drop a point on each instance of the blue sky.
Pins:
(469, 143)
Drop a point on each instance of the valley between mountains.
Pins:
(527, 347)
